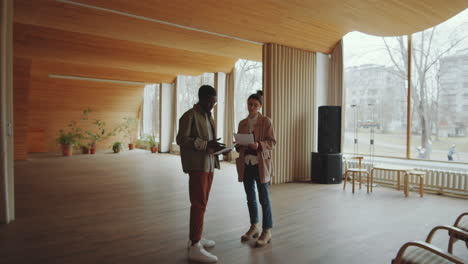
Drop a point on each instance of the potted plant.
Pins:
(66, 140)
(97, 132)
(117, 146)
(84, 149)
(129, 127)
(152, 143)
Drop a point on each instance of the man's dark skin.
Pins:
(207, 103)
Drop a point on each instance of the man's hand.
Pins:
(215, 146)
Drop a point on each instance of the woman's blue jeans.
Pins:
(252, 178)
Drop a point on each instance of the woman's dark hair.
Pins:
(257, 96)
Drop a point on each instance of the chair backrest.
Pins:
(426, 252)
(462, 221)
(359, 159)
(345, 163)
(459, 218)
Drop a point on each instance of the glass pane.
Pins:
(151, 111)
(156, 112)
(439, 100)
(375, 80)
(187, 93)
(208, 79)
(249, 79)
(220, 106)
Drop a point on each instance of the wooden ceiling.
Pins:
(62, 32)
(315, 25)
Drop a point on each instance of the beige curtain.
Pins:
(7, 197)
(140, 118)
(335, 80)
(336, 91)
(174, 146)
(288, 85)
(215, 110)
(229, 111)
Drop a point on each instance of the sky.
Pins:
(360, 48)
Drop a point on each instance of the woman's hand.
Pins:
(253, 146)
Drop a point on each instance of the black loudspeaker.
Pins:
(329, 129)
(327, 168)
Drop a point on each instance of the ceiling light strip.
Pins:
(93, 79)
(157, 21)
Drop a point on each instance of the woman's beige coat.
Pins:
(264, 135)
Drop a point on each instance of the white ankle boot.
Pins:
(198, 253)
(206, 243)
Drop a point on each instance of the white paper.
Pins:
(225, 149)
(244, 139)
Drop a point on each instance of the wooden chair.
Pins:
(418, 252)
(420, 175)
(353, 172)
(461, 223)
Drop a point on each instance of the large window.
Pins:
(187, 93)
(376, 82)
(439, 125)
(248, 80)
(187, 90)
(220, 106)
(150, 124)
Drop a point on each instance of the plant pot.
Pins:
(116, 149)
(84, 150)
(67, 150)
(92, 150)
(131, 146)
(154, 149)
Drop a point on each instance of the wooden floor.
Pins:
(133, 207)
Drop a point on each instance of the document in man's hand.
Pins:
(244, 139)
(225, 149)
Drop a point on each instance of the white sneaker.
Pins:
(206, 243)
(198, 253)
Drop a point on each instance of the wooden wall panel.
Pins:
(37, 140)
(21, 82)
(54, 102)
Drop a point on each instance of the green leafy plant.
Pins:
(117, 146)
(129, 127)
(98, 130)
(71, 135)
(151, 141)
(66, 138)
(83, 141)
(141, 144)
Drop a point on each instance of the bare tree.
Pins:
(248, 80)
(425, 57)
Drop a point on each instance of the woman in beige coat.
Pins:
(254, 168)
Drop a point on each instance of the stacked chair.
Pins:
(418, 252)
